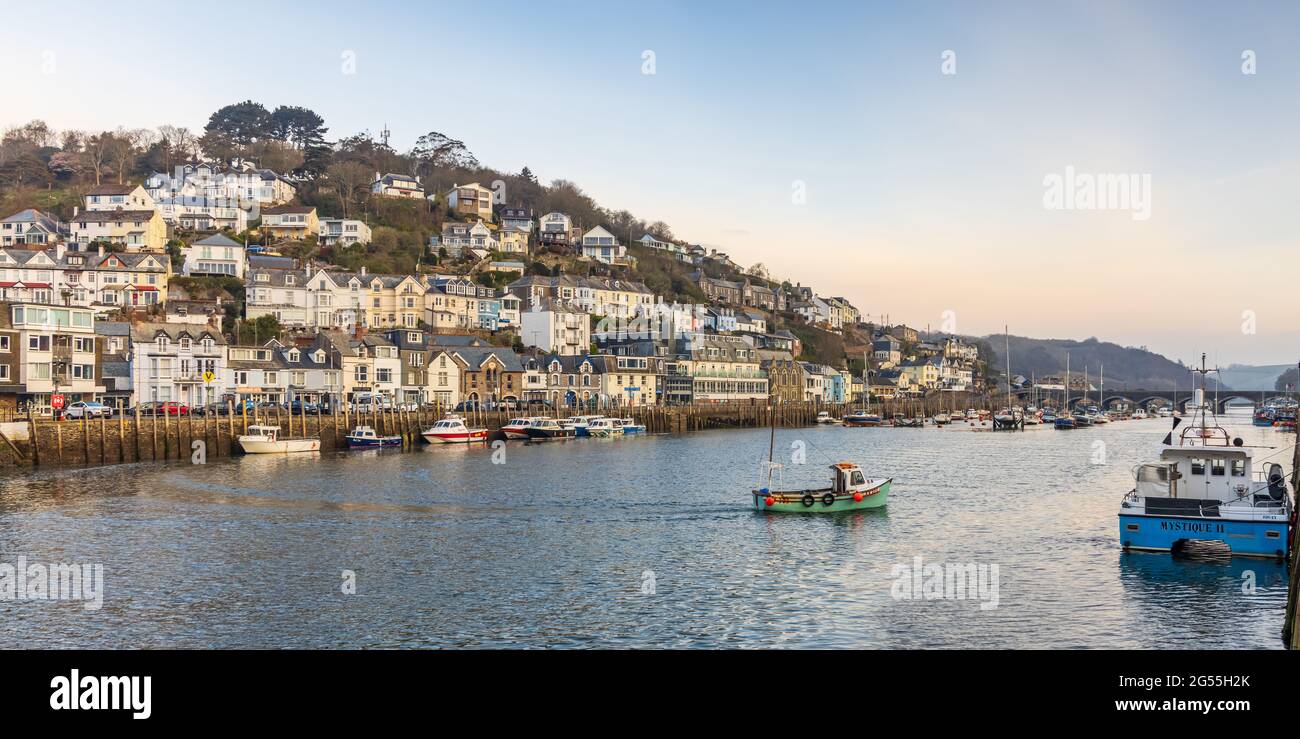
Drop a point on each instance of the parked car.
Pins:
(148, 408)
(173, 408)
(303, 407)
(87, 409)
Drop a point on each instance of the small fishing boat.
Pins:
(825, 417)
(549, 428)
(266, 440)
(630, 426)
(1082, 419)
(861, 418)
(364, 437)
(850, 490)
(1032, 419)
(1139, 415)
(1064, 423)
(452, 430)
(517, 428)
(605, 428)
(1049, 417)
(972, 414)
(941, 419)
(1205, 493)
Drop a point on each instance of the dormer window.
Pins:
(294, 355)
(319, 356)
(162, 343)
(185, 343)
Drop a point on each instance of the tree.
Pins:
(234, 128)
(349, 178)
(297, 126)
(660, 230)
(434, 150)
(527, 174)
(1286, 381)
(97, 153)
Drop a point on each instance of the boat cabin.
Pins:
(269, 433)
(1194, 480)
(450, 423)
(847, 477)
(364, 432)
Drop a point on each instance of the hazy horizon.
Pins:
(924, 191)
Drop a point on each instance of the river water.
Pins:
(637, 542)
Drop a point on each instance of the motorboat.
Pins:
(452, 430)
(267, 440)
(364, 437)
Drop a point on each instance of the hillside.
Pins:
(1125, 367)
(1252, 377)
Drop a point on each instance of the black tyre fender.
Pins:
(808, 501)
(828, 500)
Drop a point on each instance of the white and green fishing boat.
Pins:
(850, 490)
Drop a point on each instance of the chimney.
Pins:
(377, 176)
(363, 270)
(59, 250)
(75, 210)
(100, 249)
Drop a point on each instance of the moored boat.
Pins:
(452, 430)
(605, 428)
(630, 426)
(364, 437)
(1206, 493)
(517, 428)
(825, 417)
(549, 428)
(861, 418)
(267, 440)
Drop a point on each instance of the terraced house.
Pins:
(169, 362)
(86, 279)
(45, 350)
(712, 368)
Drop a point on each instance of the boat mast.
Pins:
(1006, 337)
(771, 444)
(1066, 388)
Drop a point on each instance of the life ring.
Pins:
(808, 501)
(828, 500)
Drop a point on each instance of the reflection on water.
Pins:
(555, 547)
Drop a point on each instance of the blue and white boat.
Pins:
(364, 437)
(630, 426)
(579, 424)
(1207, 492)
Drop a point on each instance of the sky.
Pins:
(900, 155)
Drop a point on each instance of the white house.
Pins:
(557, 328)
(600, 245)
(343, 232)
(172, 362)
(215, 256)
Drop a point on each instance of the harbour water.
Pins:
(636, 542)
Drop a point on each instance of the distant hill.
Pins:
(1252, 377)
(1125, 367)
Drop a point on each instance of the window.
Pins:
(272, 378)
(4, 372)
(1238, 468)
(4, 343)
(1217, 467)
(1198, 466)
(38, 343)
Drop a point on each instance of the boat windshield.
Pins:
(1153, 480)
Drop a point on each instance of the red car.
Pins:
(173, 408)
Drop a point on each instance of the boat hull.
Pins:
(1164, 533)
(456, 437)
(794, 501)
(281, 446)
(516, 432)
(862, 422)
(382, 441)
(544, 434)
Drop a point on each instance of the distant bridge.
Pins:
(1131, 399)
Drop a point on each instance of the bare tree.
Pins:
(349, 178)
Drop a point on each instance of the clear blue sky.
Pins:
(924, 191)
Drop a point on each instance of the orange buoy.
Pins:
(769, 501)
